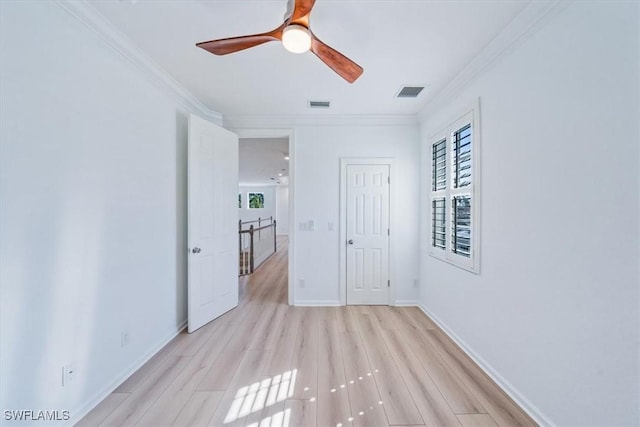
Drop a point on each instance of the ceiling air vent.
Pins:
(409, 91)
(319, 104)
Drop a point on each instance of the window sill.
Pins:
(469, 265)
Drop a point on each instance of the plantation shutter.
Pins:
(461, 225)
(439, 166)
(439, 201)
(454, 192)
(462, 180)
(462, 157)
(439, 231)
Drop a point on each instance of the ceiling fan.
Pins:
(296, 36)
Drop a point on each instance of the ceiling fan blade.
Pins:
(346, 68)
(301, 9)
(235, 44)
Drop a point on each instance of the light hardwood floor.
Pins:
(268, 364)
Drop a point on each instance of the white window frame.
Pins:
(471, 263)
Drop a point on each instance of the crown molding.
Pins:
(287, 121)
(522, 27)
(114, 38)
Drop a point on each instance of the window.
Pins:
(454, 195)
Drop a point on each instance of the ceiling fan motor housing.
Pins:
(296, 38)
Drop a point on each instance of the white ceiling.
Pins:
(396, 42)
(262, 161)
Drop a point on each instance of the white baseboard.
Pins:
(505, 385)
(317, 303)
(398, 303)
(406, 303)
(91, 403)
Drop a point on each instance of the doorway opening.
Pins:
(264, 206)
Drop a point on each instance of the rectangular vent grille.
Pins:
(409, 92)
(319, 104)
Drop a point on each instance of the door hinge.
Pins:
(388, 232)
(388, 180)
(388, 283)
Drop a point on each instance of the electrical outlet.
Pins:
(330, 226)
(68, 374)
(124, 338)
(301, 283)
(416, 283)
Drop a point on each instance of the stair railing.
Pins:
(256, 244)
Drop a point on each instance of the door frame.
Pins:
(344, 162)
(281, 133)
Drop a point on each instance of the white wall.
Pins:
(269, 210)
(93, 161)
(554, 311)
(282, 209)
(318, 150)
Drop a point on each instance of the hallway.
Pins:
(268, 364)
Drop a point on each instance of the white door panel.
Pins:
(213, 223)
(367, 231)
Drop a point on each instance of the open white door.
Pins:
(213, 222)
(367, 232)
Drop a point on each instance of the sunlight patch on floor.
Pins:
(259, 395)
(279, 419)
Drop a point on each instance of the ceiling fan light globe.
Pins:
(296, 39)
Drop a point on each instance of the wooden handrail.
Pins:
(250, 230)
(259, 220)
(264, 226)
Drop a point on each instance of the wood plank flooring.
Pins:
(266, 364)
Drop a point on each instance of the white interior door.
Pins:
(213, 222)
(367, 232)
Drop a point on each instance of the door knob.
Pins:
(350, 241)
(196, 250)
